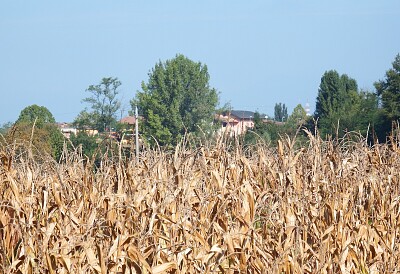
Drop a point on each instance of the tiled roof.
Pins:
(130, 120)
(242, 114)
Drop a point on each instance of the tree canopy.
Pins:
(36, 114)
(281, 113)
(333, 91)
(176, 99)
(388, 90)
(298, 117)
(336, 97)
(47, 138)
(341, 108)
(104, 105)
(259, 133)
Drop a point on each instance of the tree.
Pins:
(259, 131)
(86, 120)
(36, 114)
(46, 137)
(295, 122)
(329, 93)
(341, 108)
(337, 96)
(368, 113)
(88, 143)
(176, 99)
(281, 113)
(5, 127)
(388, 90)
(104, 105)
(298, 117)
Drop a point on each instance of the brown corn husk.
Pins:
(329, 207)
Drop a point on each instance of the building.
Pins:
(130, 120)
(237, 122)
(127, 136)
(67, 129)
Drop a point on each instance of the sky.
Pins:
(258, 52)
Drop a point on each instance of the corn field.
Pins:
(329, 207)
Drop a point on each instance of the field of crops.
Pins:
(331, 207)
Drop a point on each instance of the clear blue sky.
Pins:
(258, 52)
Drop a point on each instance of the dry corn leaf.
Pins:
(163, 267)
(49, 264)
(137, 256)
(92, 260)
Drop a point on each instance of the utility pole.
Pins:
(137, 133)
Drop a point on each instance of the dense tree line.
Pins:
(341, 108)
(388, 92)
(177, 100)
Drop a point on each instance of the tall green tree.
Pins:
(281, 113)
(368, 114)
(388, 90)
(104, 104)
(36, 125)
(337, 96)
(176, 99)
(341, 108)
(333, 92)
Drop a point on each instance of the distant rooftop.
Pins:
(130, 120)
(243, 114)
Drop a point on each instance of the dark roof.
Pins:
(243, 114)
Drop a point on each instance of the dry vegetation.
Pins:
(332, 207)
